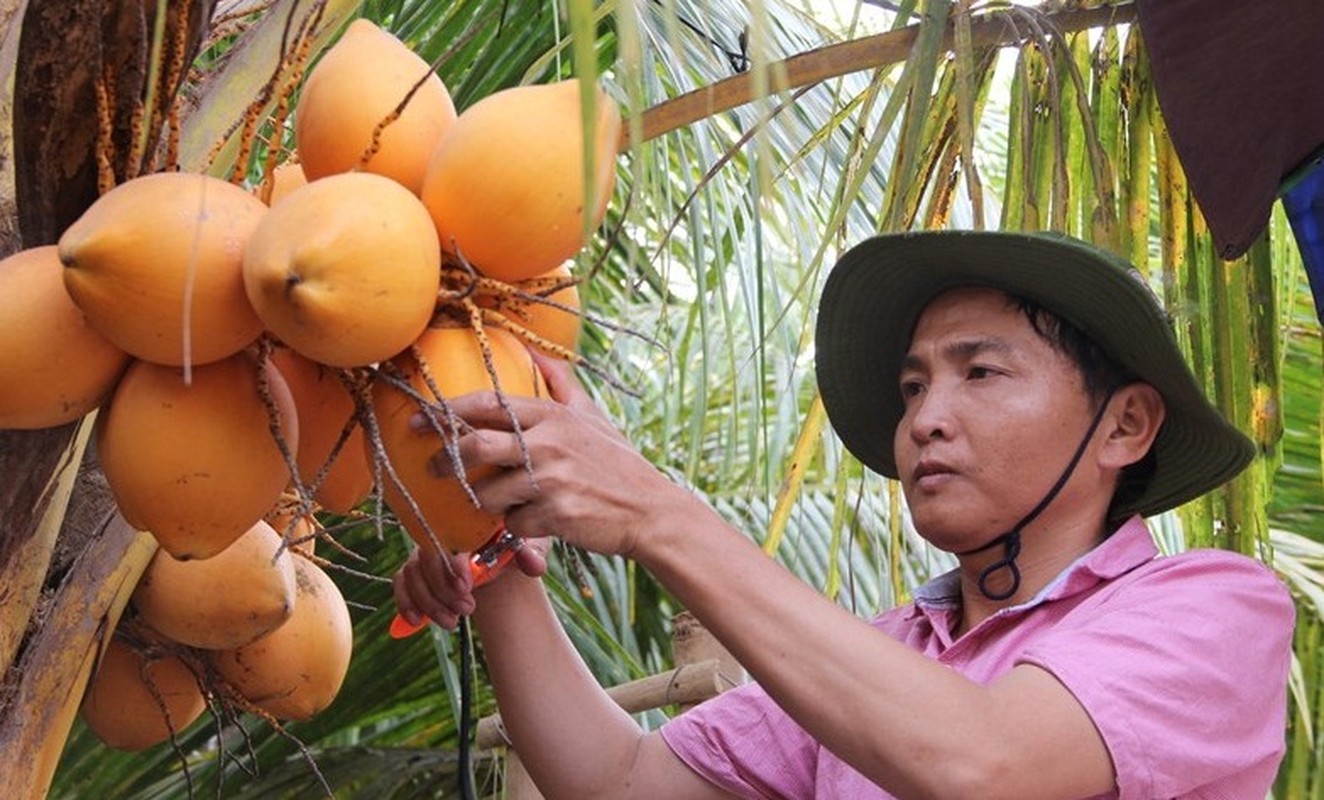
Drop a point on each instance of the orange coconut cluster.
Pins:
(254, 627)
(238, 343)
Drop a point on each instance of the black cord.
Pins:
(466, 776)
(1012, 538)
(1007, 562)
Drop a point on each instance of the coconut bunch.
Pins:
(257, 628)
(235, 346)
(252, 350)
(486, 206)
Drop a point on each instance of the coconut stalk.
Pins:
(1070, 58)
(1297, 779)
(1181, 295)
(26, 559)
(1230, 335)
(1106, 102)
(1039, 167)
(1019, 123)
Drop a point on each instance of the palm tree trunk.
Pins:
(66, 578)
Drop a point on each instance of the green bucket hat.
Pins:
(877, 290)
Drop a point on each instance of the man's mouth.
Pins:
(929, 473)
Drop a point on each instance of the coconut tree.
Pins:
(760, 141)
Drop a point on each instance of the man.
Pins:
(1028, 394)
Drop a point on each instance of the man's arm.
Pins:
(910, 724)
(915, 727)
(573, 739)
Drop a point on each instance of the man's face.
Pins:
(993, 416)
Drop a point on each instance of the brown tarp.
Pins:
(1241, 86)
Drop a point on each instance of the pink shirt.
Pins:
(1181, 662)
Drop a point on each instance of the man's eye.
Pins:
(979, 373)
(911, 388)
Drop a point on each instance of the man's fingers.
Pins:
(404, 599)
(437, 585)
(532, 557)
(500, 449)
(487, 411)
(414, 600)
(560, 377)
(447, 574)
(476, 410)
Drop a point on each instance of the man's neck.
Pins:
(1047, 548)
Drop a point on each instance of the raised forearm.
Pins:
(575, 742)
(896, 716)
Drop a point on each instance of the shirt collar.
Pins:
(1127, 548)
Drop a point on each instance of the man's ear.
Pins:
(1135, 415)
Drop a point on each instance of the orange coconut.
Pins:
(357, 84)
(455, 360)
(135, 699)
(156, 264)
(228, 600)
(54, 366)
(506, 186)
(325, 407)
(345, 270)
(296, 670)
(196, 464)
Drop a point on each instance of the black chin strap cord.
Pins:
(1012, 538)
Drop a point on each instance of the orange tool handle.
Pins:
(484, 565)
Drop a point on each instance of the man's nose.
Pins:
(931, 415)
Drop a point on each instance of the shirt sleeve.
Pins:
(1182, 667)
(743, 742)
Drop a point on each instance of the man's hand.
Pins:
(440, 587)
(587, 485)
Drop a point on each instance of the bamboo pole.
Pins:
(685, 685)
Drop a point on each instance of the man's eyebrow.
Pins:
(962, 349)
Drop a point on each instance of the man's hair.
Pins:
(1102, 375)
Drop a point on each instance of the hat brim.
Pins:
(878, 289)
